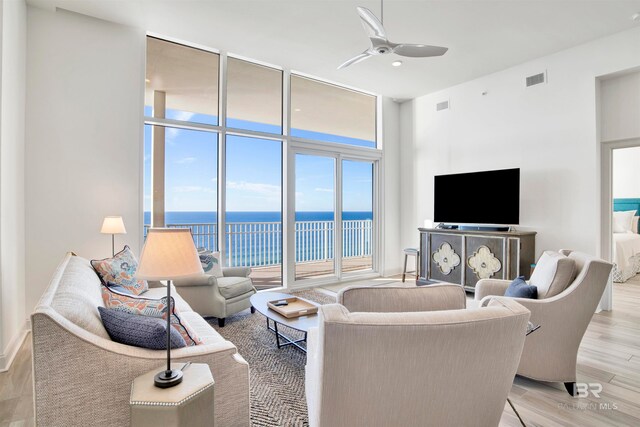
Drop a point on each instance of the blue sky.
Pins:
(253, 171)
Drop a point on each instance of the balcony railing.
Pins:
(259, 244)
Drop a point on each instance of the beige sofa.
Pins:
(367, 366)
(81, 377)
(567, 305)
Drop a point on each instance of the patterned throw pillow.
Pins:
(149, 307)
(210, 262)
(120, 270)
(139, 331)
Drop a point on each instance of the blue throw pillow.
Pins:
(140, 331)
(521, 289)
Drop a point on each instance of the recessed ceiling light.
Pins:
(297, 109)
(147, 80)
(636, 17)
(396, 63)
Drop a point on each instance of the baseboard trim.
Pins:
(394, 272)
(6, 359)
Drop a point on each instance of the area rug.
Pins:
(276, 375)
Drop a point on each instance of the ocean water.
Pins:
(211, 217)
(260, 245)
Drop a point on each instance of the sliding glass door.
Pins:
(315, 204)
(357, 215)
(335, 228)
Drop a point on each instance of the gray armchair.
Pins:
(550, 353)
(427, 362)
(218, 297)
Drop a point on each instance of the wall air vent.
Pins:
(536, 79)
(444, 105)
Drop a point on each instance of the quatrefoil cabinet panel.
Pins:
(485, 259)
(464, 257)
(445, 258)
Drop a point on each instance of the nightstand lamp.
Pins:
(113, 225)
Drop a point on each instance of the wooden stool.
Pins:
(411, 252)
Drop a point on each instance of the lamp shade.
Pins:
(168, 254)
(113, 225)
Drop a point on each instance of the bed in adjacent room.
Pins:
(626, 240)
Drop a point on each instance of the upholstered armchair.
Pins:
(563, 310)
(218, 296)
(412, 357)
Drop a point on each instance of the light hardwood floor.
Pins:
(609, 355)
(16, 390)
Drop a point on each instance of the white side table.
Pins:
(190, 403)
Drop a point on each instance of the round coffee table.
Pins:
(302, 323)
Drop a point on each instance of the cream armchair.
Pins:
(370, 367)
(550, 353)
(218, 297)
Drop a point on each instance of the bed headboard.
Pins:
(627, 205)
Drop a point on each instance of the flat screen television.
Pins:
(488, 197)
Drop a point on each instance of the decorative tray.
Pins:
(294, 307)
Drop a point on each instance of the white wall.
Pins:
(620, 100)
(626, 173)
(409, 189)
(550, 131)
(12, 142)
(84, 139)
(391, 252)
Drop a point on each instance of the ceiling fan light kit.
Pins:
(381, 45)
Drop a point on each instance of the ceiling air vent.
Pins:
(444, 105)
(536, 79)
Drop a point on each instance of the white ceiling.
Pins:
(315, 36)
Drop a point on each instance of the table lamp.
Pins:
(113, 225)
(168, 254)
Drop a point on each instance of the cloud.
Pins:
(193, 189)
(324, 190)
(186, 160)
(268, 190)
(171, 134)
(184, 116)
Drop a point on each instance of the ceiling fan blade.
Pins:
(364, 55)
(371, 23)
(419, 50)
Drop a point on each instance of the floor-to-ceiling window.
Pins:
(226, 137)
(334, 194)
(181, 152)
(254, 207)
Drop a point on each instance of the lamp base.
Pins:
(166, 379)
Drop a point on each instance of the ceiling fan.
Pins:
(381, 45)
